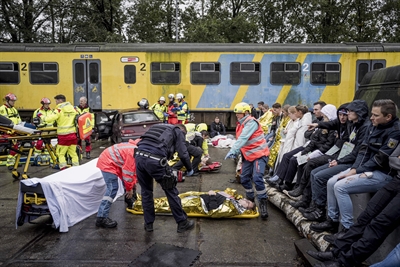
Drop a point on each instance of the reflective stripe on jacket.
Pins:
(183, 113)
(119, 159)
(256, 146)
(64, 115)
(159, 110)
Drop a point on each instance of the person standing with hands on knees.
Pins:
(155, 148)
(116, 161)
(253, 147)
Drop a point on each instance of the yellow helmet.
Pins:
(242, 107)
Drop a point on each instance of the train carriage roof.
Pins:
(200, 47)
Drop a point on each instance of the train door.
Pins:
(364, 66)
(87, 82)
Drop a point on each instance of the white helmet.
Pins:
(179, 96)
(162, 99)
(171, 96)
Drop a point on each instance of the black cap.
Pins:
(61, 97)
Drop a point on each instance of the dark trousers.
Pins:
(146, 170)
(374, 224)
(304, 173)
(288, 166)
(194, 151)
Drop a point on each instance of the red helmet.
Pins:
(11, 96)
(45, 100)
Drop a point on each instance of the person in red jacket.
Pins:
(116, 161)
(171, 115)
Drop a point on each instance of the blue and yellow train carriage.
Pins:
(213, 77)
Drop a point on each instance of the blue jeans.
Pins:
(254, 171)
(391, 260)
(111, 181)
(339, 193)
(319, 177)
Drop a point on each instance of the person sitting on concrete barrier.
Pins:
(217, 128)
(375, 223)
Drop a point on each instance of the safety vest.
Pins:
(159, 110)
(45, 112)
(182, 114)
(256, 146)
(118, 159)
(11, 113)
(64, 115)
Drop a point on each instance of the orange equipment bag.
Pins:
(85, 125)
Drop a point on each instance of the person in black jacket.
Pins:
(217, 128)
(369, 172)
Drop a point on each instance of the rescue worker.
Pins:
(155, 148)
(182, 111)
(254, 150)
(116, 161)
(160, 108)
(172, 118)
(64, 115)
(84, 108)
(9, 111)
(45, 110)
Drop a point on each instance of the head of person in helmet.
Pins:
(45, 103)
(161, 100)
(143, 103)
(10, 99)
(242, 109)
(171, 98)
(180, 97)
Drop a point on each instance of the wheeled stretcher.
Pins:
(21, 140)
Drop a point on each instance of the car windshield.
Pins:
(139, 117)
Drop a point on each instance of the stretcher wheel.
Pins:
(15, 174)
(25, 176)
(21, 220)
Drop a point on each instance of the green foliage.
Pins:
(200, 21)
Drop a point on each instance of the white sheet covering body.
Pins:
(73, 194)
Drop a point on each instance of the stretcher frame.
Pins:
(45, 134)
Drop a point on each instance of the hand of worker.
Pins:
(129, 194)
(189, 173)
(166, 114)
(39, 114)
(230, 155)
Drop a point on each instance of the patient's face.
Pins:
(247, 204)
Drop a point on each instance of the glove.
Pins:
(39, 115)
(175, 109)
(190, 173)
(230, 155)
(166, 114)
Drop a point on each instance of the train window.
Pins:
(325, 73)
(165, 72)
(43, 72)
(9, 73)
(363, 68)
(245, 73)
(94, 73)
(79, 73)
(378, 66)
(130, 74)
(205, 73)
(285, 73)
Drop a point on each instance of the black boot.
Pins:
(296, 192)
(286, 186)
(327, 225)
(263, 208)
(331, 238)
(105, 222)
(148, 227)
(185, 225)
(319, 214)
(299, 204)
(88, 155)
